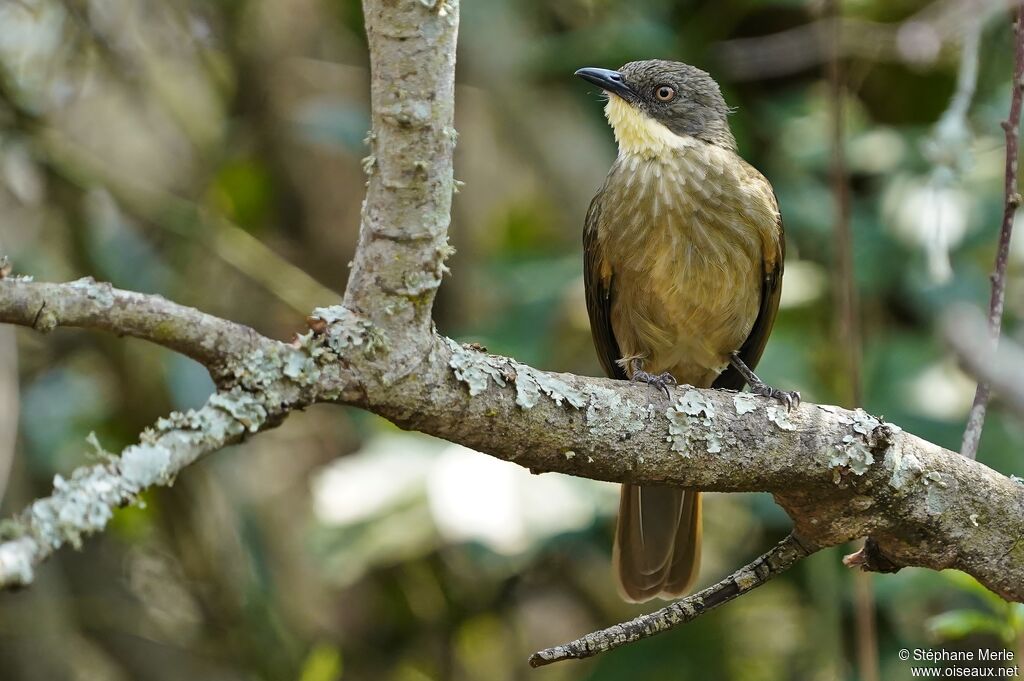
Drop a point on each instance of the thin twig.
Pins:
(780, 558)
(976, 419)
(965, 329)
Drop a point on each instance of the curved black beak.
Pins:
(606, 79)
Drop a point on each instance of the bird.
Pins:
(683, 251)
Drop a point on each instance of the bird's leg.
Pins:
(662, 381)
(789, 398)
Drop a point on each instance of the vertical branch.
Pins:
(403, 237)
(976, 419)
(849, 325)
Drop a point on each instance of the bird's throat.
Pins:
(637, 133)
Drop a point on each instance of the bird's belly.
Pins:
(687, 285)
(685, 322)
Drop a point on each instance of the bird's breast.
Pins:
(686, 235)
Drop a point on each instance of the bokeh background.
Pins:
(210, 151)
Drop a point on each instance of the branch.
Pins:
(403, 236)
(839, 474)
(780, 558)
(209, 340)
(83, 504)
(966, 331)
(1011, 126)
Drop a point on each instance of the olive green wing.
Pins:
(598, 280)
(771, 289)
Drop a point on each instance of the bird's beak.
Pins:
(608, 80)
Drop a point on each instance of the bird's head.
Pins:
(656, 104)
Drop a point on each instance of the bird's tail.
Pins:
(657, 541)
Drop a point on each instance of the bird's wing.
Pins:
(771, 290)
(598, 281)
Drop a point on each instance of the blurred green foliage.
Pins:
(147, 143)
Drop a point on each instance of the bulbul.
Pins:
(683, 254)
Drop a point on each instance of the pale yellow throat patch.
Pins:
(638, 133)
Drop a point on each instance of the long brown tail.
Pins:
(657, 541)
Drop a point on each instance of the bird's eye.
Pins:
(664, 93)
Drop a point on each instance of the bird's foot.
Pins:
(660, 381)
(789, 398)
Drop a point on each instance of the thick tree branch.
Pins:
(839, 474)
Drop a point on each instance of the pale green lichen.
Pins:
(864, 423)
(145, 464)
(244, 407)
(369, 163)
(610, 415)
(779, 415)
(259, 369)
(691, 421)
(905, 467)
(417, 283)
(602, 409)
(744, 403)
(96, 449)
(302, 367)
(444, 251)
(531, 384)
(16, 560)
(347, 330)
(79, 505)
(853, 453)
(101, 293)
(473, 368)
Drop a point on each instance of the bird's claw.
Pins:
(790, 398)
(661, 381)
